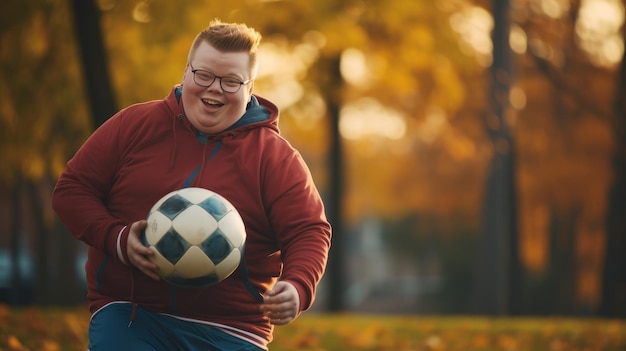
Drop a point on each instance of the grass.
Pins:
(55, 329)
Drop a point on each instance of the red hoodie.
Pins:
(148, 150)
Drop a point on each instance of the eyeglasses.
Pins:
(205, 78)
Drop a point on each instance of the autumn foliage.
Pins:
(414, 117)
(66, 329)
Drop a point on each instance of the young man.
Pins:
(210, 132)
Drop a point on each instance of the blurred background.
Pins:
(471, 154)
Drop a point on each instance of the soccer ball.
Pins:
(197, 236)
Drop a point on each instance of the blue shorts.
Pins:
(109, 330)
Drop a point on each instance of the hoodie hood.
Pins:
(259, 113)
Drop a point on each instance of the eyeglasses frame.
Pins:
(194, 70)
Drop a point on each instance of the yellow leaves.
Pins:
(307, 340)
(480, 341)
(339, 33)
(14, 344)
(384, 332)
(77, 328)
(56, 330)
(449, 92)
(373, 336)
(32, 329)
(34, 166)
(435, 343)
(507, 343)
(49, 345)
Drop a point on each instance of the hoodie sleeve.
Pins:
(302, 230)
(80, 195)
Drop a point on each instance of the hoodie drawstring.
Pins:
(173, 153)
(132, 299)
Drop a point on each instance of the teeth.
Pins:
(211, 102)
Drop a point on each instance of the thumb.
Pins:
(138, 226)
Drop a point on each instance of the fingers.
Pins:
(146, 266)
(279, 319)
(138, 254)
(280, 314)
(281, 305)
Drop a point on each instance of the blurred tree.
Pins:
(329, 81)
(565, 141)
(39, 107)
(561, 274)
(499, 267)
(398, 43)
(333, 85)
(613, 303)
(94, 59)
(101, 102)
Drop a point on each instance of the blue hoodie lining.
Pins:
(195, 172)
(178, 92)
(254, 113)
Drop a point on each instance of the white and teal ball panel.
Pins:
(197, 235)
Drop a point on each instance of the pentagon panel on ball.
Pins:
(197, 235)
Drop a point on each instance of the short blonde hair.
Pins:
(229, 37)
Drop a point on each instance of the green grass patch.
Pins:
(55, 329)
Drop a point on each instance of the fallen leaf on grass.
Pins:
(49, 345)
(77, 327)
(308, 340)
(558, 345)
(508, 343)
(15, 344)
(480, 341)
(435, 343)
(369, 337)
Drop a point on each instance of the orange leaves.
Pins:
(50, 345)
(55, 330)
(14, 343)
(434, 343)
(480, 341)
(308, 340)
(413, 333)
(33, 329)
(370, 337)
(77, 328)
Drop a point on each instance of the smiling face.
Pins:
(210, 109)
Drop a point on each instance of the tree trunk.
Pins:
(45, 290)
(15, 293)
(613, 303)
(331, 88)
(57, 281)
(499, 275)
(93, 56)
(561, 277)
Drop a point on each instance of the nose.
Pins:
(215, 85)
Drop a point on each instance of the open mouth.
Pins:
(212, 103)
